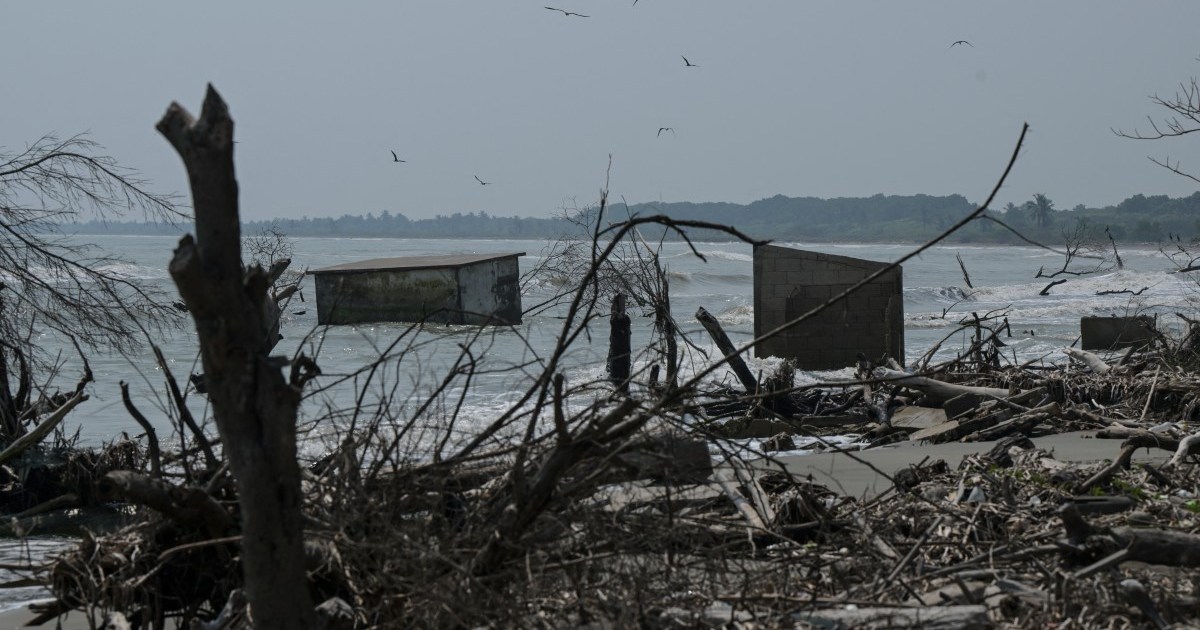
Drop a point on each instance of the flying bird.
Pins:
(687, 63)
(396, 158)
(962, 41)
(566, 13)
(481, 182)
(662, 129)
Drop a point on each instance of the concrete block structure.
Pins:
(478, 289)
(1109, 333)
(790, 282)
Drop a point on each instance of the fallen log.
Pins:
(1022, 423)
(1163, 547)
(933, 388)
(1185, 448)
(1159, 546)
(189, 507)
(728, 351)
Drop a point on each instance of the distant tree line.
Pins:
(880, 218)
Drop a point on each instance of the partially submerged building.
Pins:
(789, 283)
(479, 289)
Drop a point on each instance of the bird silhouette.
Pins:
(962, 41)
(687, 63)
(481, 182)
(662, 129)
(566, 13)
(396, 158)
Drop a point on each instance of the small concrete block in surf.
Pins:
(478, 289)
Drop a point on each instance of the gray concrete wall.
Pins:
(790, 282)
(490, 292)
(1108, 333)
(387, 296)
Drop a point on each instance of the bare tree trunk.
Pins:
(619, 345)
(254, 406)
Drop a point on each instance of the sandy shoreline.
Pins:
(852, 476)
(18, 617)
(846, 474)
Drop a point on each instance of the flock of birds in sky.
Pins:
(686, 64)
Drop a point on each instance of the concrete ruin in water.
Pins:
(790, 282)
(478, 289)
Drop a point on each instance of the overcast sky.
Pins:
(829, 99)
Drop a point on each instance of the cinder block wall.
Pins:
(790, 282)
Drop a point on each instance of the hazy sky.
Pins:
(827, 99)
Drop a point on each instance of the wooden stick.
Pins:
(753, 520)
(42, 430)
(1150, 396)
(151, 435)
(736, 362)
(1020, 422)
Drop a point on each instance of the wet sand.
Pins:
(853, 476)
(18, 617)
(848, 475)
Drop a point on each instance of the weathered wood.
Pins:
(728, 351)
(151, 434)
(190, 507)
(1093, 362)
(933, 388)
(44, 427)
(1159, 546)
(1019, 423)
(254, 406)
(925, 617)
(748, 480)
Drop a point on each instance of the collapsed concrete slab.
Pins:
(1108, 333)
(790, 282)
(480, 289)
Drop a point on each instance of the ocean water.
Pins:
(508, 359)
(936, 298)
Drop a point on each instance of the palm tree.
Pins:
(1040, 209)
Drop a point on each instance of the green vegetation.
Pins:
(880, 218)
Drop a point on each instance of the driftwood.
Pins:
(1093, 362)
(187, 506)
(735, 360)
(1021, 423)
(1128, 544)
(45, 426)
(151, 434)
(933, 388)
(1186, 446)
(927, 617)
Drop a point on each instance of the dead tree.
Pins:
(619, 345)
(253, 404)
